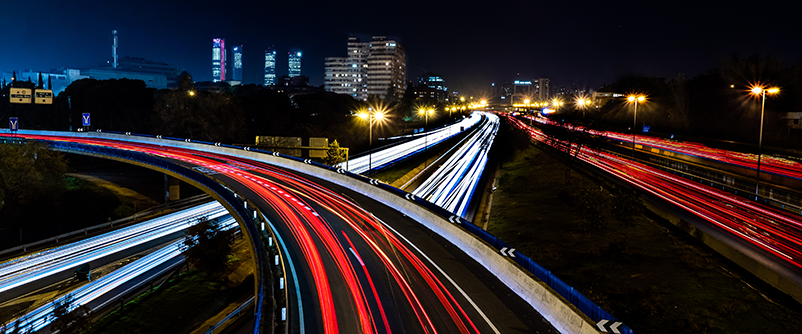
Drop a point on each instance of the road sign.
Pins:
(85, 121)
(43, 96)
(646, 128)
(13, 123)
(21, 95)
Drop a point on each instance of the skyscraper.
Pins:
(295, 64)
(270, 67)
(236, 69)
(218, 60)
(376, 68)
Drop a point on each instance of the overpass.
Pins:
(358, 257)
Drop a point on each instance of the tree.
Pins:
(28, 172)
(207, 247)
(40, 82)
(67, 321)
(335, 154)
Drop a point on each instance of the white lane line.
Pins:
(475, 307)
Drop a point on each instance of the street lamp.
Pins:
(426, 113)
(761, 92)
(371, 116)
(582, 103)
(635, 99)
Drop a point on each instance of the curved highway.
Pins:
(358, 266)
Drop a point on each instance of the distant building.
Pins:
(295, 64)
(212, 86)
(270, 67)
(605, 95)
(298, 85)
(542, 88)
(432, 88)
(218, 60)
(344, 75)
(144, 66)
(375, 68)
(236, 68)
(158, 81)
(792, 120)
(297, 81)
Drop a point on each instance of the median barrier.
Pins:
(567, 310)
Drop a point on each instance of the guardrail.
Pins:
(231, 315)
(576, 313)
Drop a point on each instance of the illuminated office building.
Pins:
(375, 68)
(270, 67)
(236, 69)
(295, 64)
(218, 60)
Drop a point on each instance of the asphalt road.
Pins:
(362, 267)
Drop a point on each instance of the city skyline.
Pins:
(586, 46)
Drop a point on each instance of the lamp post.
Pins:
(760, 91)
(582, 103)
(371, 117)
(426, 113)
(635, 99)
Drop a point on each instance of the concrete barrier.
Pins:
(564, 316)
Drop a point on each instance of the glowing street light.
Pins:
(425, 112)
(192, 93)
(371, 117)
(582, 103)
(761, 92)
(635, 99)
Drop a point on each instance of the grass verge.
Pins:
(654, 278)
(160, 312)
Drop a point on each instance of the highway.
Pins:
(768, 163)
(384, 157)
(453, 184)
(39, 265)
(772, 231)
(357, 265)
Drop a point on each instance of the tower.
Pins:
(236, 69)
(218, 59)
(114, 49)
(270, 67)
(295, 64)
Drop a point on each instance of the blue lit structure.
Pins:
(295, 64)
(270, 67)
(218, 60)
(236, 68)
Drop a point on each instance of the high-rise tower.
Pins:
(236, 69)
(270, 67)
(218, 59)
(295, 64)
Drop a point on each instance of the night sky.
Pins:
(470, 45)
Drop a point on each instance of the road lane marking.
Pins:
(294, 276)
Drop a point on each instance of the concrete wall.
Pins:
(556, 309)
